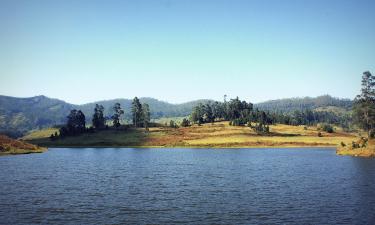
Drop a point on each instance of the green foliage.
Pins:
(136, 112)
(117, 112)
(327, 128)
(290, 105)
(146, 115)
(364, 106)
(75, 125)
(98, 120)
(185, 123)
(172, 124)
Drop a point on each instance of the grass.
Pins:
(217, 135)
(9, 146)
(368, 151)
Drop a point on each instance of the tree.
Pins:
(146, 115)
(117, 114)
(98, 120)
(197, 114)
(364, 105)
(185, 123)
(136, 112)
(173, 124)
(76, 123)
(208, 115)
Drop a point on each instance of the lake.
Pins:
(187, 186)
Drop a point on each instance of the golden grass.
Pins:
(40, 133)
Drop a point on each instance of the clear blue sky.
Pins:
(181, 50)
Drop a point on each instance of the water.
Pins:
(187, 186)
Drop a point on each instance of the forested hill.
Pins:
(19, 115)
(324, 102)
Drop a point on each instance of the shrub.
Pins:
(185, 123)
(327, 128)
(355, 145)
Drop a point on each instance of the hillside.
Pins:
(20, 115)
(319, 103)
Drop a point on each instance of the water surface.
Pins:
(187, 186)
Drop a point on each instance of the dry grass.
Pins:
(40, 133)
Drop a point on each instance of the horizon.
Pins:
(161, 100)
(181, 51)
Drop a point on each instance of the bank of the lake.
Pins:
(366, 151)
(217, 135)
(9, 146)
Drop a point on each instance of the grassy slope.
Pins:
(209, 135)
(9, 146)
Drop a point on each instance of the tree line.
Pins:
(76, 120)
(240, 113)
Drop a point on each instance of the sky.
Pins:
(183, 50)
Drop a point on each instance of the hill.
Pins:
(20, 115)
(320, 103)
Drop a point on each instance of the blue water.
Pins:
(187, 186)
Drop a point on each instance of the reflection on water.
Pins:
(193, 186)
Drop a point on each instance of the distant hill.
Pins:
(321, 103)
(20, 115)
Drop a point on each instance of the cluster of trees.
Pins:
(241, 113)
(140, 114)
(76, 120)
(236, 111)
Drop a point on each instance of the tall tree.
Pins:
(117, 112)
(76, 123)
(364, 106)
(98, 120)
(146, 115)
(136, 112)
